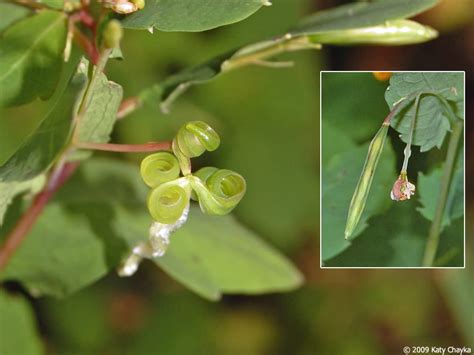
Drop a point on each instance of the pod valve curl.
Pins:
(173, 185)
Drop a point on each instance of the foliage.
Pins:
(184, 15)
(266, 120)
(96, 220)
(31, 51)
(54, 139)
(432, 121)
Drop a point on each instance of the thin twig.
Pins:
(128, 106)
(284, 44)
(407, 151)
(104, 57)
(275, 64)
(125, 148)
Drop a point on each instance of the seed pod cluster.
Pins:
(217, 190)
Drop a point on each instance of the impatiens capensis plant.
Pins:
(83, 215)
(426, 108)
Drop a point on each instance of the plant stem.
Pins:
(14, 239)
(126, 148)
(285, 44)
(104, 57)
(435, 229)
(407, 151)
(128, 106)
(57, 178)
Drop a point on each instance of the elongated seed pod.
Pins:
(158, 168)
(167, 202)
(365, 181)
(397, 32)
(218, 191)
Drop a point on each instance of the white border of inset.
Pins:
(321, 266)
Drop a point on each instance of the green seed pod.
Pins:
(397, 32)
(167, 202)
(195, 137)
(220, 192)
(158, 168)
(365, 181)
(112, 34)
(203, 174)
(140, 4)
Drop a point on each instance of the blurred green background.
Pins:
(269, 123)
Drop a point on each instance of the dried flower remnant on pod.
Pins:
(402, 189)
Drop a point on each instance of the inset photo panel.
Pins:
(392, 170)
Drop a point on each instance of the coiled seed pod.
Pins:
(203, 174)
(167, 202)
(193, 139)
(218, 191)
(159, 168)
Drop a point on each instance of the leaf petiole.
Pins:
(125, 148)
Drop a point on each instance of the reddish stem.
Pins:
(87, 19)
(25, 223)
(88, 45)
(126, 148)
(128, 106)
(389, 117)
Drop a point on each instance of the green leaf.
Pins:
(342, 102)
(190, 15)
(432, 122)
(339, 181)
(360, 14)
(101, 114)
(11, 13)
(429, 189)
(31, 55)
(18, 333)
(54, 4)
(394, 239)
(67, 249)
(214, 255)
(340, 18)
(101, 213)
(44, 144)
(397, 238)
(11, 189)
(79, 237)
(334, 141)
